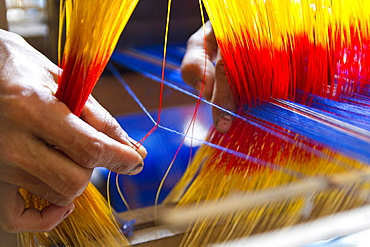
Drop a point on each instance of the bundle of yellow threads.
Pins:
(92, 29)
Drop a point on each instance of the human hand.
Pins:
(198, 63)
(46, 149)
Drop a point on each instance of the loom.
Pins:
(150, 231)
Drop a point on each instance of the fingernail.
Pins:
(224, 123)
(138, 168)
(69, 211)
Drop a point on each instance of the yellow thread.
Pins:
(92, 29)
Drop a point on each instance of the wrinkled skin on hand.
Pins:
(46, 149)
(202, 62)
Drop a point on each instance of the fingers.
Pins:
(81, 142)
(223, 97)
(15, 218)
(198, 70)
(99, 118)
(197, 65)
(29, 163)
(46, 149)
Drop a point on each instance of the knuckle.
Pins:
(112, 128)
(76, 186)
(72, 187)
(25, 101)
(92, 153)
(193, 39)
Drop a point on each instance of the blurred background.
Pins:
(37, 21)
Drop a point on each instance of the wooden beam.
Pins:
(3, 19)
(147, 232)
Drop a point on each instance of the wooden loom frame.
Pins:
(148, 234)
(152, 232)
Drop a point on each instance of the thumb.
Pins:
(223, 97)
(14, 217)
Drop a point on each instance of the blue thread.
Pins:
(345, 112)
(232, 152)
